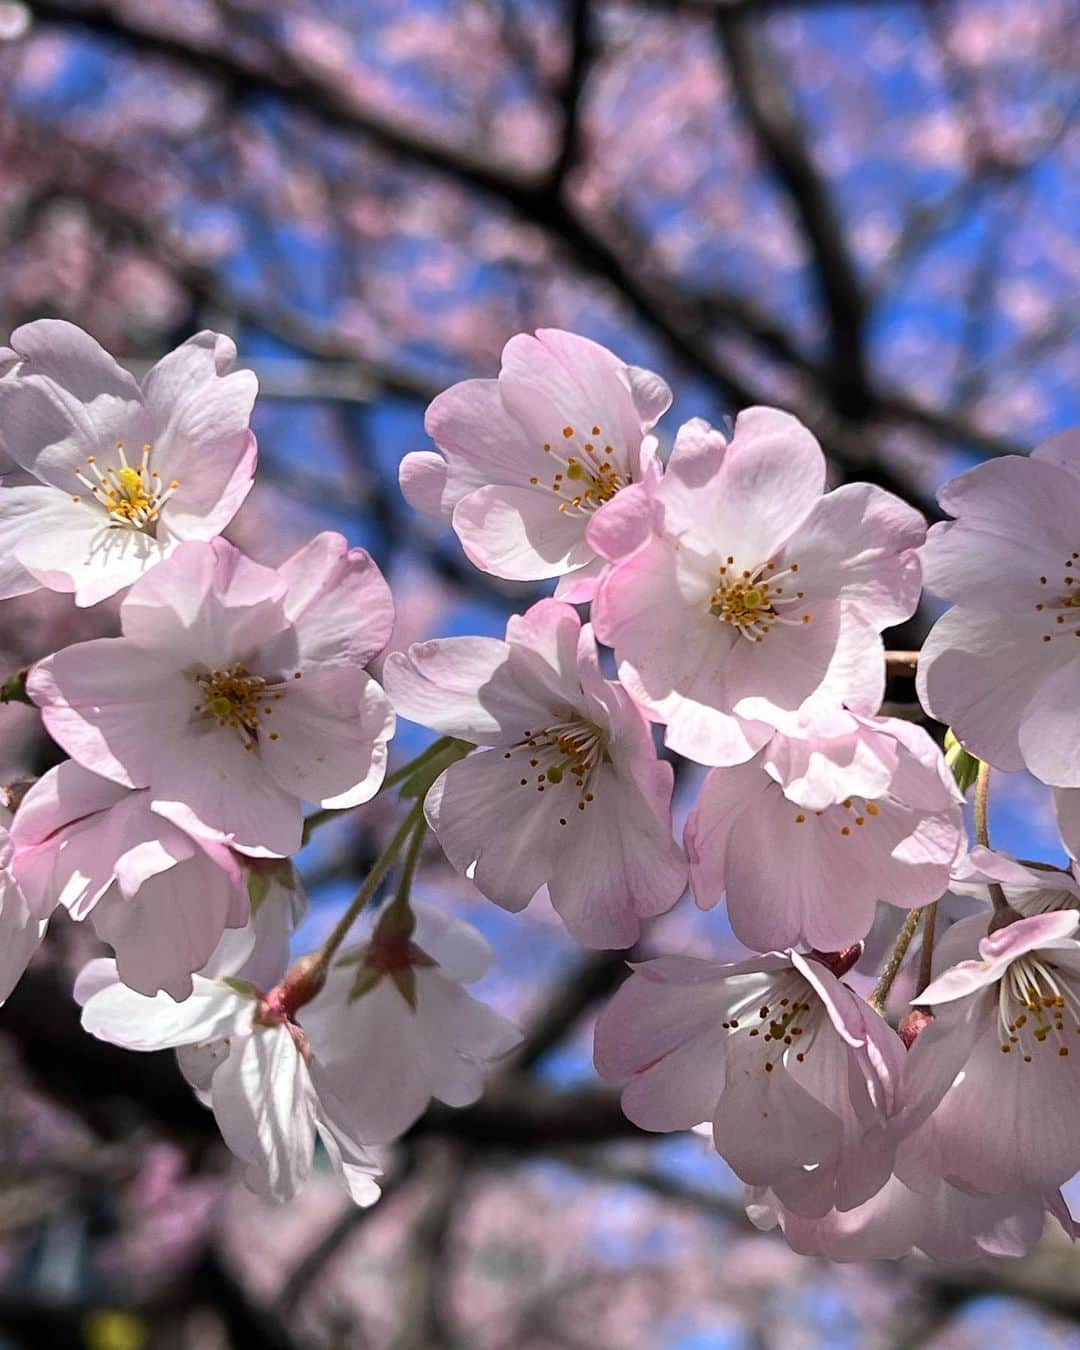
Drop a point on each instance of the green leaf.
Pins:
(405, 979)
(13, 690)
(431, 764)
(366, 980)
(964, 766)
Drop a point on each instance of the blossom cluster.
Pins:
(736, 606)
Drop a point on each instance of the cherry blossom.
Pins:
(1001, 666)
(529, 460)
(756, 585)
(799, 1077)
(125, 473)
(568, 792)
(279, 903)
(942, 1221)
(158, 897)
(246, 1060)
(996, 1070)
(21, 929)
(831, 816)
(1030, 888)
(394, 1027)
(236, 692)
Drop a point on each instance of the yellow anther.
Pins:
(131, 482)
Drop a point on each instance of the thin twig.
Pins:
(982, 832)
(891, 969)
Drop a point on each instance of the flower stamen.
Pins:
(232, 697)
(1033, 1007)
(753, 600)
(570, 752)
(132, 495)
(587, 479)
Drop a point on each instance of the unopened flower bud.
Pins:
(839, 962)
(964, 766)
(913, 1024)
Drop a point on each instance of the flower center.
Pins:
(238, 699)
(853, 811)
(1035, 1008)
(132, 495)
(783, 1021)
(569, 752)
(753, 600)
(1062, 606)
(586, 479)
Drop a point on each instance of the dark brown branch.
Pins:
(581, 54)
(760, 86)
(597, 976)
(681, 320)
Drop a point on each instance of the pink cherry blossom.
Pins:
(21, 929)
(158, 897)
(569, 794)
(942, 1221)
(996, 1072)
(248, 1064)
(279, 904)
(1001, 666)
(798, 1076)
(125, 473)
(236, 692)
(393, 1026)
(755, 585)
(529, 460)
(830, 817)
(1030, 888)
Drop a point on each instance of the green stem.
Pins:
(982, 832)
(891, 969)
(367, 890)
(408, 867)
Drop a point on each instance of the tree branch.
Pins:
(581, 54)
(760, 85)
(680, 319)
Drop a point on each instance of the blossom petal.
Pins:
(100, 699)
(113, 1012)
(338, 601)
(66, 398)
(265, 1105)
(331, 731)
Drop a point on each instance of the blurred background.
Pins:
(864, 212)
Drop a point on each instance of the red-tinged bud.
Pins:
(300, 985)
(839, 963)
(394, 952)
(913, 1025)
(11, 794)
(391, 948)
